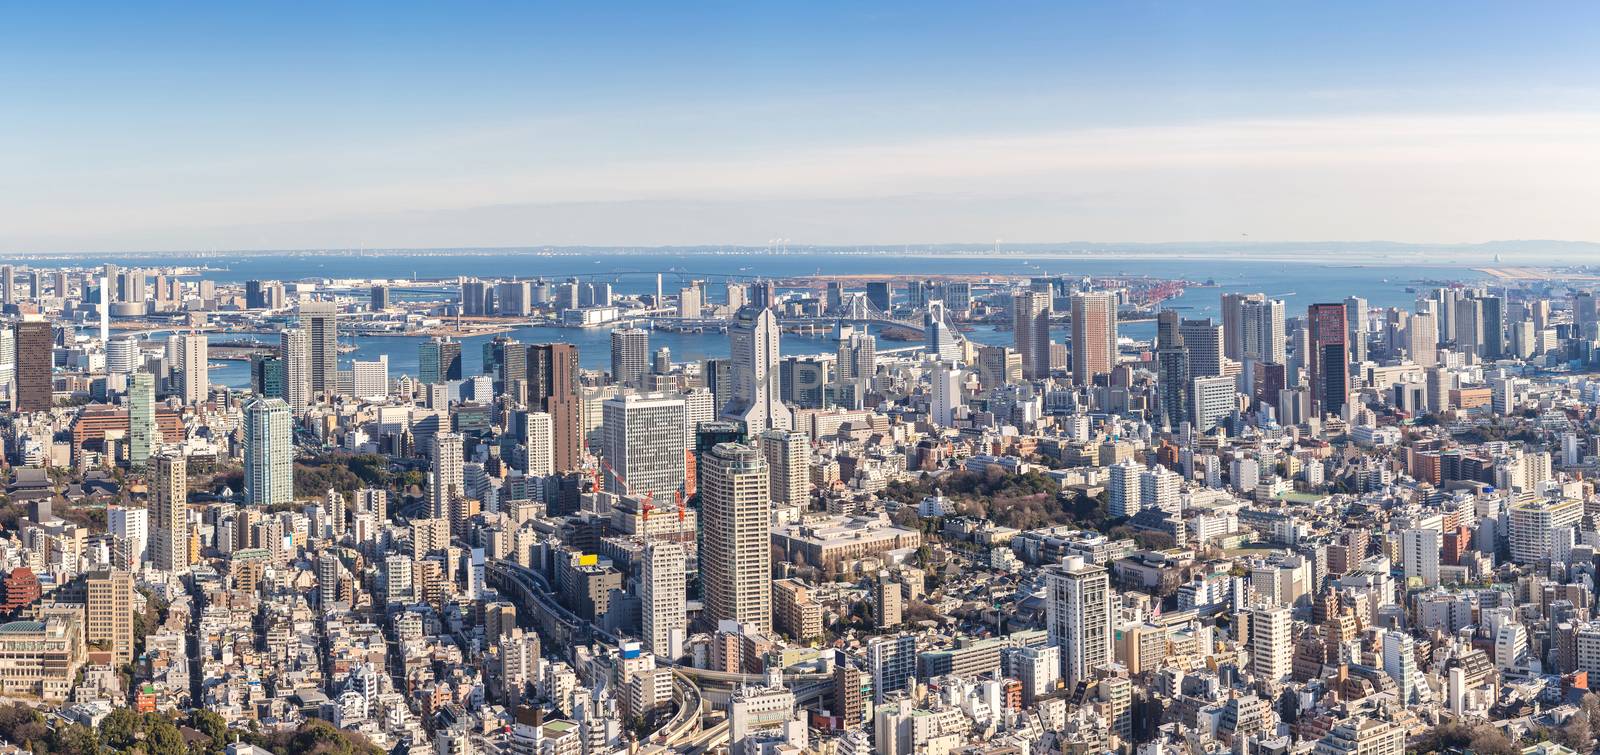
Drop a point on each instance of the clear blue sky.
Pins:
(179, 126)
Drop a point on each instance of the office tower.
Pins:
(857, 358)
(35, 353)
(1233, 330)
(1271, 645)
(1030, 314)
(1212, 400)
(320, 319)
(267, 376)
(804, 381)
(438, 360)
(1469, 334)
(644, 445)
(662, 585)
(630, 348)
(188, 354)
(998, 365)
(169, 512)
(788, 454)
(446, 477)
(1422, 339)
(553, 389)
(132, 525)
(940, 337)
(1263, 338)
(736, 548)
(1078, 612)
(1094, 335)
(717, 376)
(1328, 329)
(122, 355)
(268, 452)
(1355, 314)
(1172, 369)
(1203, 340)
(505, 361)
(8, 285)
(945, 387)
(369, 378)
(108, 613)
(294, 347)
(378, 298)
(753, 345)
(143, 433)
(538, 444)
(880, 294)
(1494, 327)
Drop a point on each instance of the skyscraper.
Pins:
(1330, 377)
(447, 477)
(1078, 614)
(662, 597)
(644, 445)
(320, 319)
(630, 349)
(108, 612)
(1234, 341)
(788, 454)
(188, 353)
(295, 348)
(35, 356)
(1203, 339)
(538, 441)
(1094, 335)
(1355, 313)
(1172, 365)
(1263, 338)
(753, 344)
(438, 360)
(1494, 328)
(940, 336)
(1422, 339)
(736, 548)
(169, 512)
(880, 294)
(143, 433)
(268, 452)
(553, 389)
(945, 385)
(1030, 313)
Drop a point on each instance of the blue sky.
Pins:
(208, 126)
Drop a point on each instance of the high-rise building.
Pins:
(295, 350)
(945, 386)
(880, 294)
(788, 454)
(1203, 339)
(1263, 337)
(1469, 333)
(447, 477)
(857, 359)
(538, 444)
(630, 349)
(1422, 339)
(321, 322)
(169, 512)
(268, 452)
(369, 378)
(893, 661)
(1271, 644)
(644, 445)
(553, 389)
(267, 376)
(188, 353)
(122, 355)
(1419, 555)
(1030, 314)
(662, 596)
(1494, 327)
(736, 548)
(143, 433)
(998, 365)
(108, 613)
(753, 344)
(1355, 314)
(1094, 335)
(1122, 488)
(1212, 400)
(379, 298)
(1233, 330)
(1327, 363)
(940, 337)
(1079, 617)
(35, 355)
(1172, 365)
(438, 360)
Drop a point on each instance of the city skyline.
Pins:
(363, 127)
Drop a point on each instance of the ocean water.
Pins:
(1299, 283)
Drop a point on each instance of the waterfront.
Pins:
(1297, 283)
